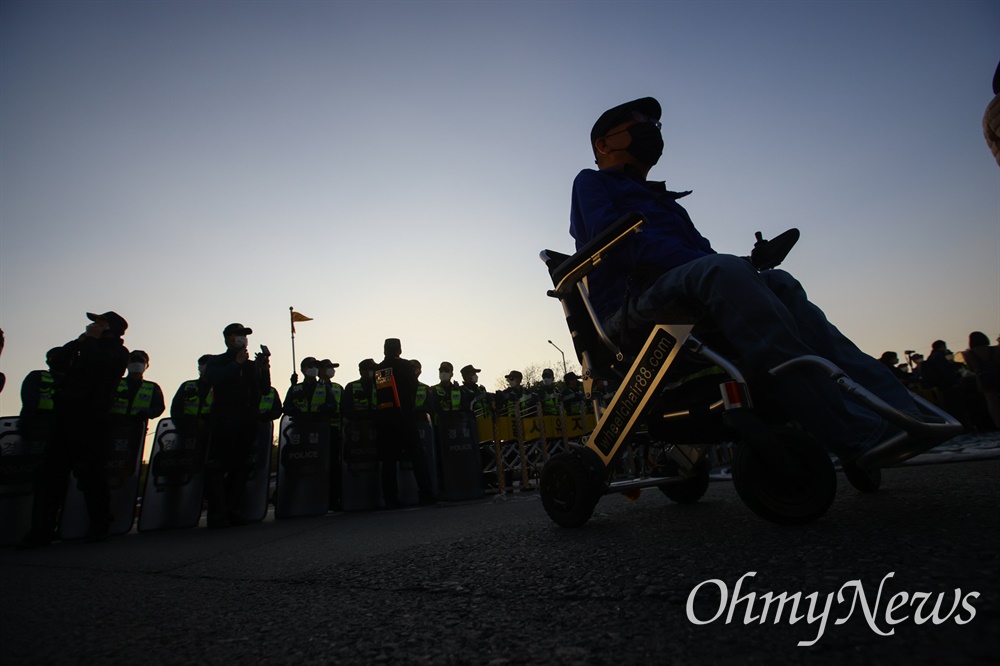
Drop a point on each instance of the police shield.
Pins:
(20, 463)
(460, 457)
(303, 468)
(256, 494)
(122, 462)
(359, 466)
(175, 479)
(428, 444)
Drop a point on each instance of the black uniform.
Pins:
(234, 421)
(396, 393)
(80, 439)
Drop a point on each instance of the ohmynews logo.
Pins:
(900, 607)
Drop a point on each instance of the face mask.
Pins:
(547, 381)
(444, 376)
(312, 372)
(330, 372)
(136, 368)
(240, 341)
(514, 383)
(647, 143)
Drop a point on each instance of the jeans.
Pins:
(767, 319)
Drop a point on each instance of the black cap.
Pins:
(138, 353)
(392, 346)
(514, 374)
(308, 362)
(367, 364)
(204, 358)
(236, 329)
(116, 323)
(446, 367)
(469, 369)
(570, 375)
(645, 105)
(547, 372)
(327, 363)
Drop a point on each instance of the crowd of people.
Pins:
(966, 384)
(95, 380)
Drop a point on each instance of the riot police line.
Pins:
(498, 445)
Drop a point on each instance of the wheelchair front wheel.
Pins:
(789, 480)
(568, 491)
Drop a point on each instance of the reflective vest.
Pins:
(573, 402)
(193, 405)
(450, 402)
(266, 401)
(142, 400)
(473, 391)
(358, 397)
(421, 395)
(46, 391)
(550, 402)
(318, 398)
(336, 390)
(512, 397)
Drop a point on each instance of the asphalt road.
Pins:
(497, 583)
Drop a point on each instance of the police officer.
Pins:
(547, 393)
(234, 423)
(473, 394)
(513, 395)
(309, 400)
(424, 401)
(96, 361)
(327, 371)
(572, 395)
(137, 400)
(395, 391)
(38, 393)
(447, 394)
(358, 400)
(193, 399)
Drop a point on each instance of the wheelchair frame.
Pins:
(644, 377)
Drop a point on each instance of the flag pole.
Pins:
(291, 322)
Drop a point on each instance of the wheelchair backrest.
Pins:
(598, 354)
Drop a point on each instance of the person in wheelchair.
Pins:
(669, 273)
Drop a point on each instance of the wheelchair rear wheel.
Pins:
(789, 480)
(568, 491)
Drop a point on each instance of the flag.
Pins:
(298, 316)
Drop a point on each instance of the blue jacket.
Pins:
(668, 238)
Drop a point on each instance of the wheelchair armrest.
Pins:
(568, 271)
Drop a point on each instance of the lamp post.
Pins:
(563, 356)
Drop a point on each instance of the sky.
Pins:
(393, 169)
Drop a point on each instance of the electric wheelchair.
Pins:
(681, 399)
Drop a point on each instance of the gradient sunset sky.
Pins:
(392, 169)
